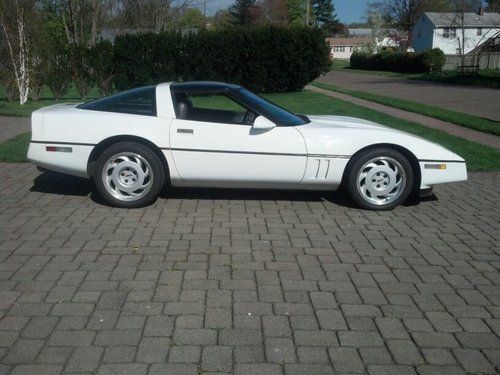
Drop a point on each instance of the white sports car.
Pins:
(220, 135)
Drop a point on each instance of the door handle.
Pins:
(185, 131)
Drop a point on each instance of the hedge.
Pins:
(403, 62)
(267, 59)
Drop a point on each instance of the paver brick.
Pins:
(346, 360)
(280, 350)
(473, 361)
(23, 351)
(185, 354)
(405, 352)
(36, 369)
(246, 282)
(153, 350)
(84, 358)
(116, 337)
(217, 358)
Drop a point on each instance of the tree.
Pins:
(274, 12)
(101, 57)
(324, 15)
(296, 11)
(375, 18)
(192, 18)
(241, 12)
(493, 6)
(16, 20)
(220, 19)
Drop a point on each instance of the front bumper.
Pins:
(454, 171)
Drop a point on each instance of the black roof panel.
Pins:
(203, 86)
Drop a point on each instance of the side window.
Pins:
(212, 108)
(140, 101)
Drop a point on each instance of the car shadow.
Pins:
(61, 184)
(258, 195)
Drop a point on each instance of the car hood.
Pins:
(344, 136)
(341, 122)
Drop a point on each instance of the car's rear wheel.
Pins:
(380, 179)
(129, 175)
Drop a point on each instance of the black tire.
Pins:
(363, 196)
(145, 159)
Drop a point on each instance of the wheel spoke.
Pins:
(381, 180)
(127, 176)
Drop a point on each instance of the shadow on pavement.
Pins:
(60, 184)
(57, 183)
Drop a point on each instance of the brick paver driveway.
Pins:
(246, 283)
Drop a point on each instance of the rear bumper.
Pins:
(454, 171)
(67, 158)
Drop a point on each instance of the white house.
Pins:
(454, 33)
(342, 48)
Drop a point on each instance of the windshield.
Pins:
(272, 111)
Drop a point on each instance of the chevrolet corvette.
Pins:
(211, 134)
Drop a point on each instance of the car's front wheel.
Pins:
(380, 179)
(129, 175)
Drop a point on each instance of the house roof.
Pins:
(110, 34)
(470, 19)
(359, 31)
(348, 41)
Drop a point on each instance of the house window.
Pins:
(449, 32)
(479, 31)
(339, 49)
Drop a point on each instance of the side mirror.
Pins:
(262, 123)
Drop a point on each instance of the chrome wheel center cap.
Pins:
(380, 181)
(127, 176)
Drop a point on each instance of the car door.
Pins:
(218, 146)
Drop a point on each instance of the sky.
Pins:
(348, 11)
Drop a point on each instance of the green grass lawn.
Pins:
(478, 157)
(486, 78)
(458, 118)
(46, 98)
(14, 150)
(489, 78)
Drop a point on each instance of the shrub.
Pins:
(36, 86)
(11, 91)
(433, 60)
(404, 62)
(101, 60)
(267, 59)
(56, 70)
(82, 69)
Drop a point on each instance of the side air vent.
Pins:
(322, 169)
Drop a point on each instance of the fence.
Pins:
(485, 61)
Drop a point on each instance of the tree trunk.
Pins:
(95, 19)
(19, 58)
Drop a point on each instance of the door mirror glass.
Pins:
(263, 123)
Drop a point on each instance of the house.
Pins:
(454, 33)
(110, 34)
(342, 48)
